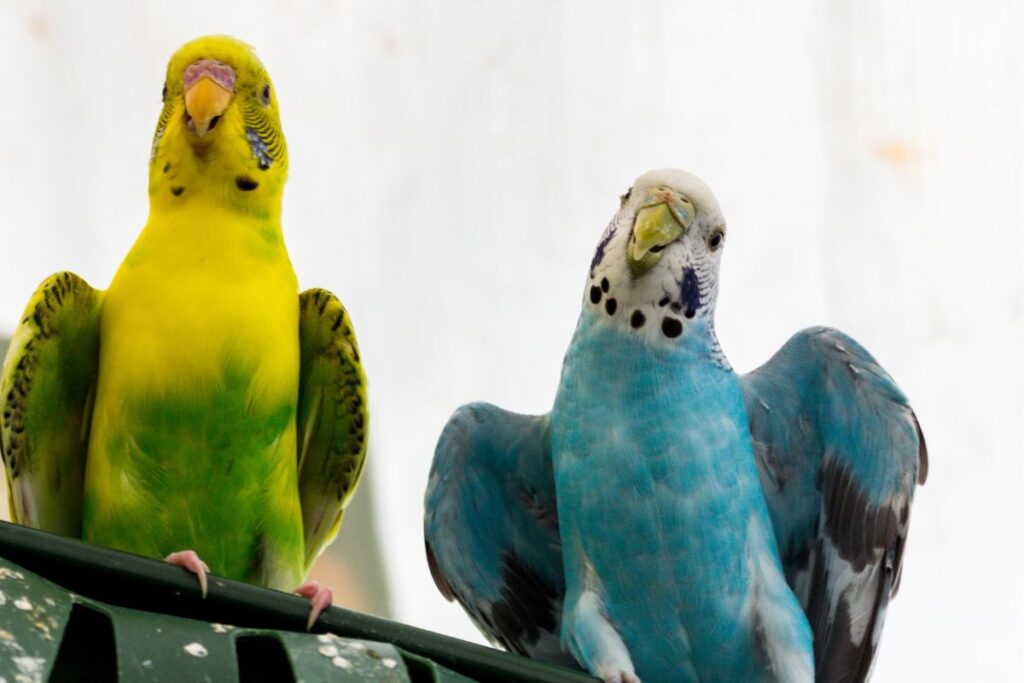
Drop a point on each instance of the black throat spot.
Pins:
(245, 183)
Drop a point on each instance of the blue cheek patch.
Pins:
(599, 253)
(689, 293)
(259, 148)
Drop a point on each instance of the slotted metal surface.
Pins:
(49, 633)
(70, 611)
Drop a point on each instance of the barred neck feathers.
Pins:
(664, 294)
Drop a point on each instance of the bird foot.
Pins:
(320, 598)
(619, 677)
(187, 559)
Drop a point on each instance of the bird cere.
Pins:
(669, 519)
(200, 408)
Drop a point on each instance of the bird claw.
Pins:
(320, 598)
(188, 559)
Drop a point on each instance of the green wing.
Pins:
(332, 418)
(46, 395)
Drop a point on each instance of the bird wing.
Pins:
(839, 452)
(491, 527)
(46, 395)
(332, 418)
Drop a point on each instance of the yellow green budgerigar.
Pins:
(200, 407)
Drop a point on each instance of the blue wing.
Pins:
(839, 452)
(491, 528)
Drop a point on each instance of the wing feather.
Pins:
(332, 418)
(839, 451)
(491, 528)
(46, 392)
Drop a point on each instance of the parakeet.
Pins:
(200, 407)
(669, 519)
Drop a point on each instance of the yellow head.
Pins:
(219, 134)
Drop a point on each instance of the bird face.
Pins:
(219, 128)
(655, 270)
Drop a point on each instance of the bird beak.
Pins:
(664, 217)
(209, 86)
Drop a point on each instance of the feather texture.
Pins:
(333, 418)
(491, 528)
(839, 451)
(46, 396)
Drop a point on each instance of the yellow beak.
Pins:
(663, 218)
(205, 101)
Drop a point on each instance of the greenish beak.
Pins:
(664, 217)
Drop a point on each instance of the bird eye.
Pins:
(163, 95)
(265, 96)
(715, 241)
(625, 198)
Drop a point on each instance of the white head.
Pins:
(655, 271)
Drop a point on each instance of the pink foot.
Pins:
(319, 597)
(188, 559)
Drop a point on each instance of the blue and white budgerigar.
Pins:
(669, 519)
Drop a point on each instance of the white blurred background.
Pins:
(454, 163)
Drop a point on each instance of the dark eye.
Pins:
(715, 241)
(265, 96)
(163, 95)
(625, 198)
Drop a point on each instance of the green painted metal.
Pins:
(40, 620)
(33, 613)
(103, 615)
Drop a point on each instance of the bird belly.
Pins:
(658, 492)
(681, 537)
(193, 440)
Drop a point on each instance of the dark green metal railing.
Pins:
(73, 611)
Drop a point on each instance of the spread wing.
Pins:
(491, 528)
(839, 452)
(332, 418)
(46, 394)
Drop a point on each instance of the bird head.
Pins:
(655, 270)
(219, 132)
